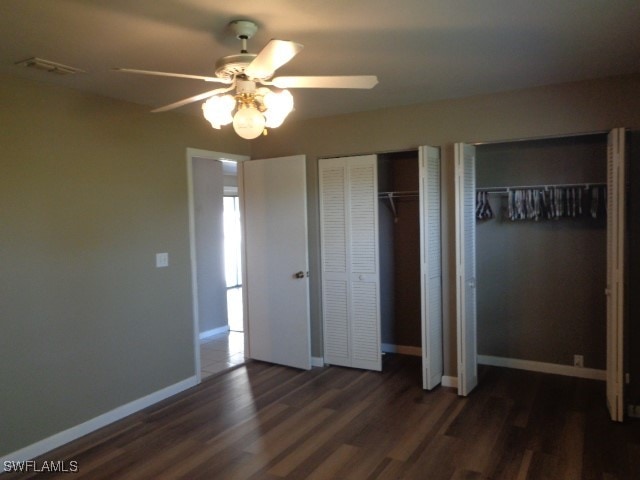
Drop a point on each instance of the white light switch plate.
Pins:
(162, 260)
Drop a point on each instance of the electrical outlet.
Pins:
(578, 361)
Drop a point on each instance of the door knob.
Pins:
(299, 274)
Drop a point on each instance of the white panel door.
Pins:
(615, 271)
(465, 178)
(276, 284)
(350, 270)
(431, 267)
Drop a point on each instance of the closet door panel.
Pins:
(333, 221)
(362, 209)
(466, 268)
(364, 326)
(350, 276)
(365, 296)
(333, 226)
(336, 323)
(615, 272)
(431, 267)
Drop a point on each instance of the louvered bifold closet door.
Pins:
(615, 272)
(363, 248)
(335, 283)
(350, 276)
(431, 271)
(465, 176)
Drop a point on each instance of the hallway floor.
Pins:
(221, 352)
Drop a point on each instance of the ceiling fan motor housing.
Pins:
(231, 65)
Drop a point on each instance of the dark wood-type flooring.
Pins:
(262, 421)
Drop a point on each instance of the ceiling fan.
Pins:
(257, 105)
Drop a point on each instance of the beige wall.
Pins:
(90, 190)
(546, 111)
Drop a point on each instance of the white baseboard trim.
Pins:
(317, 361)
(46, 445)
(402, 349)
(213, 332)
(542, 367)
(449, 381)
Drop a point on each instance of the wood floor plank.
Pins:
(422, 428)
(328, 431)
(330, 467)
(523, 468)
(294, 426)
(268, 422)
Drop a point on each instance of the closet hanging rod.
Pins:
(390, 196)
(528, 187)
(405, 193)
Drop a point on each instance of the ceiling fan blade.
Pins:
(195, 98)
(275, 54)
(355, 81)
(168, 74)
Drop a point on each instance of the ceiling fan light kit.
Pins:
(253, 109)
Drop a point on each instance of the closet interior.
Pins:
(541, 251)
(399, 252)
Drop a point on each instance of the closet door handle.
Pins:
(299, 274)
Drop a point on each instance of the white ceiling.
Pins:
(421, 50)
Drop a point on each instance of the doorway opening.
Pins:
(226, 348)
(219, 341)
(233, 262)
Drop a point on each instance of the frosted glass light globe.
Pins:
(217, 110)
(278, 106)
(248, 123)
(283, 101)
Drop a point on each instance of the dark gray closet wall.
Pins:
(400, 250)
(540, 284)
